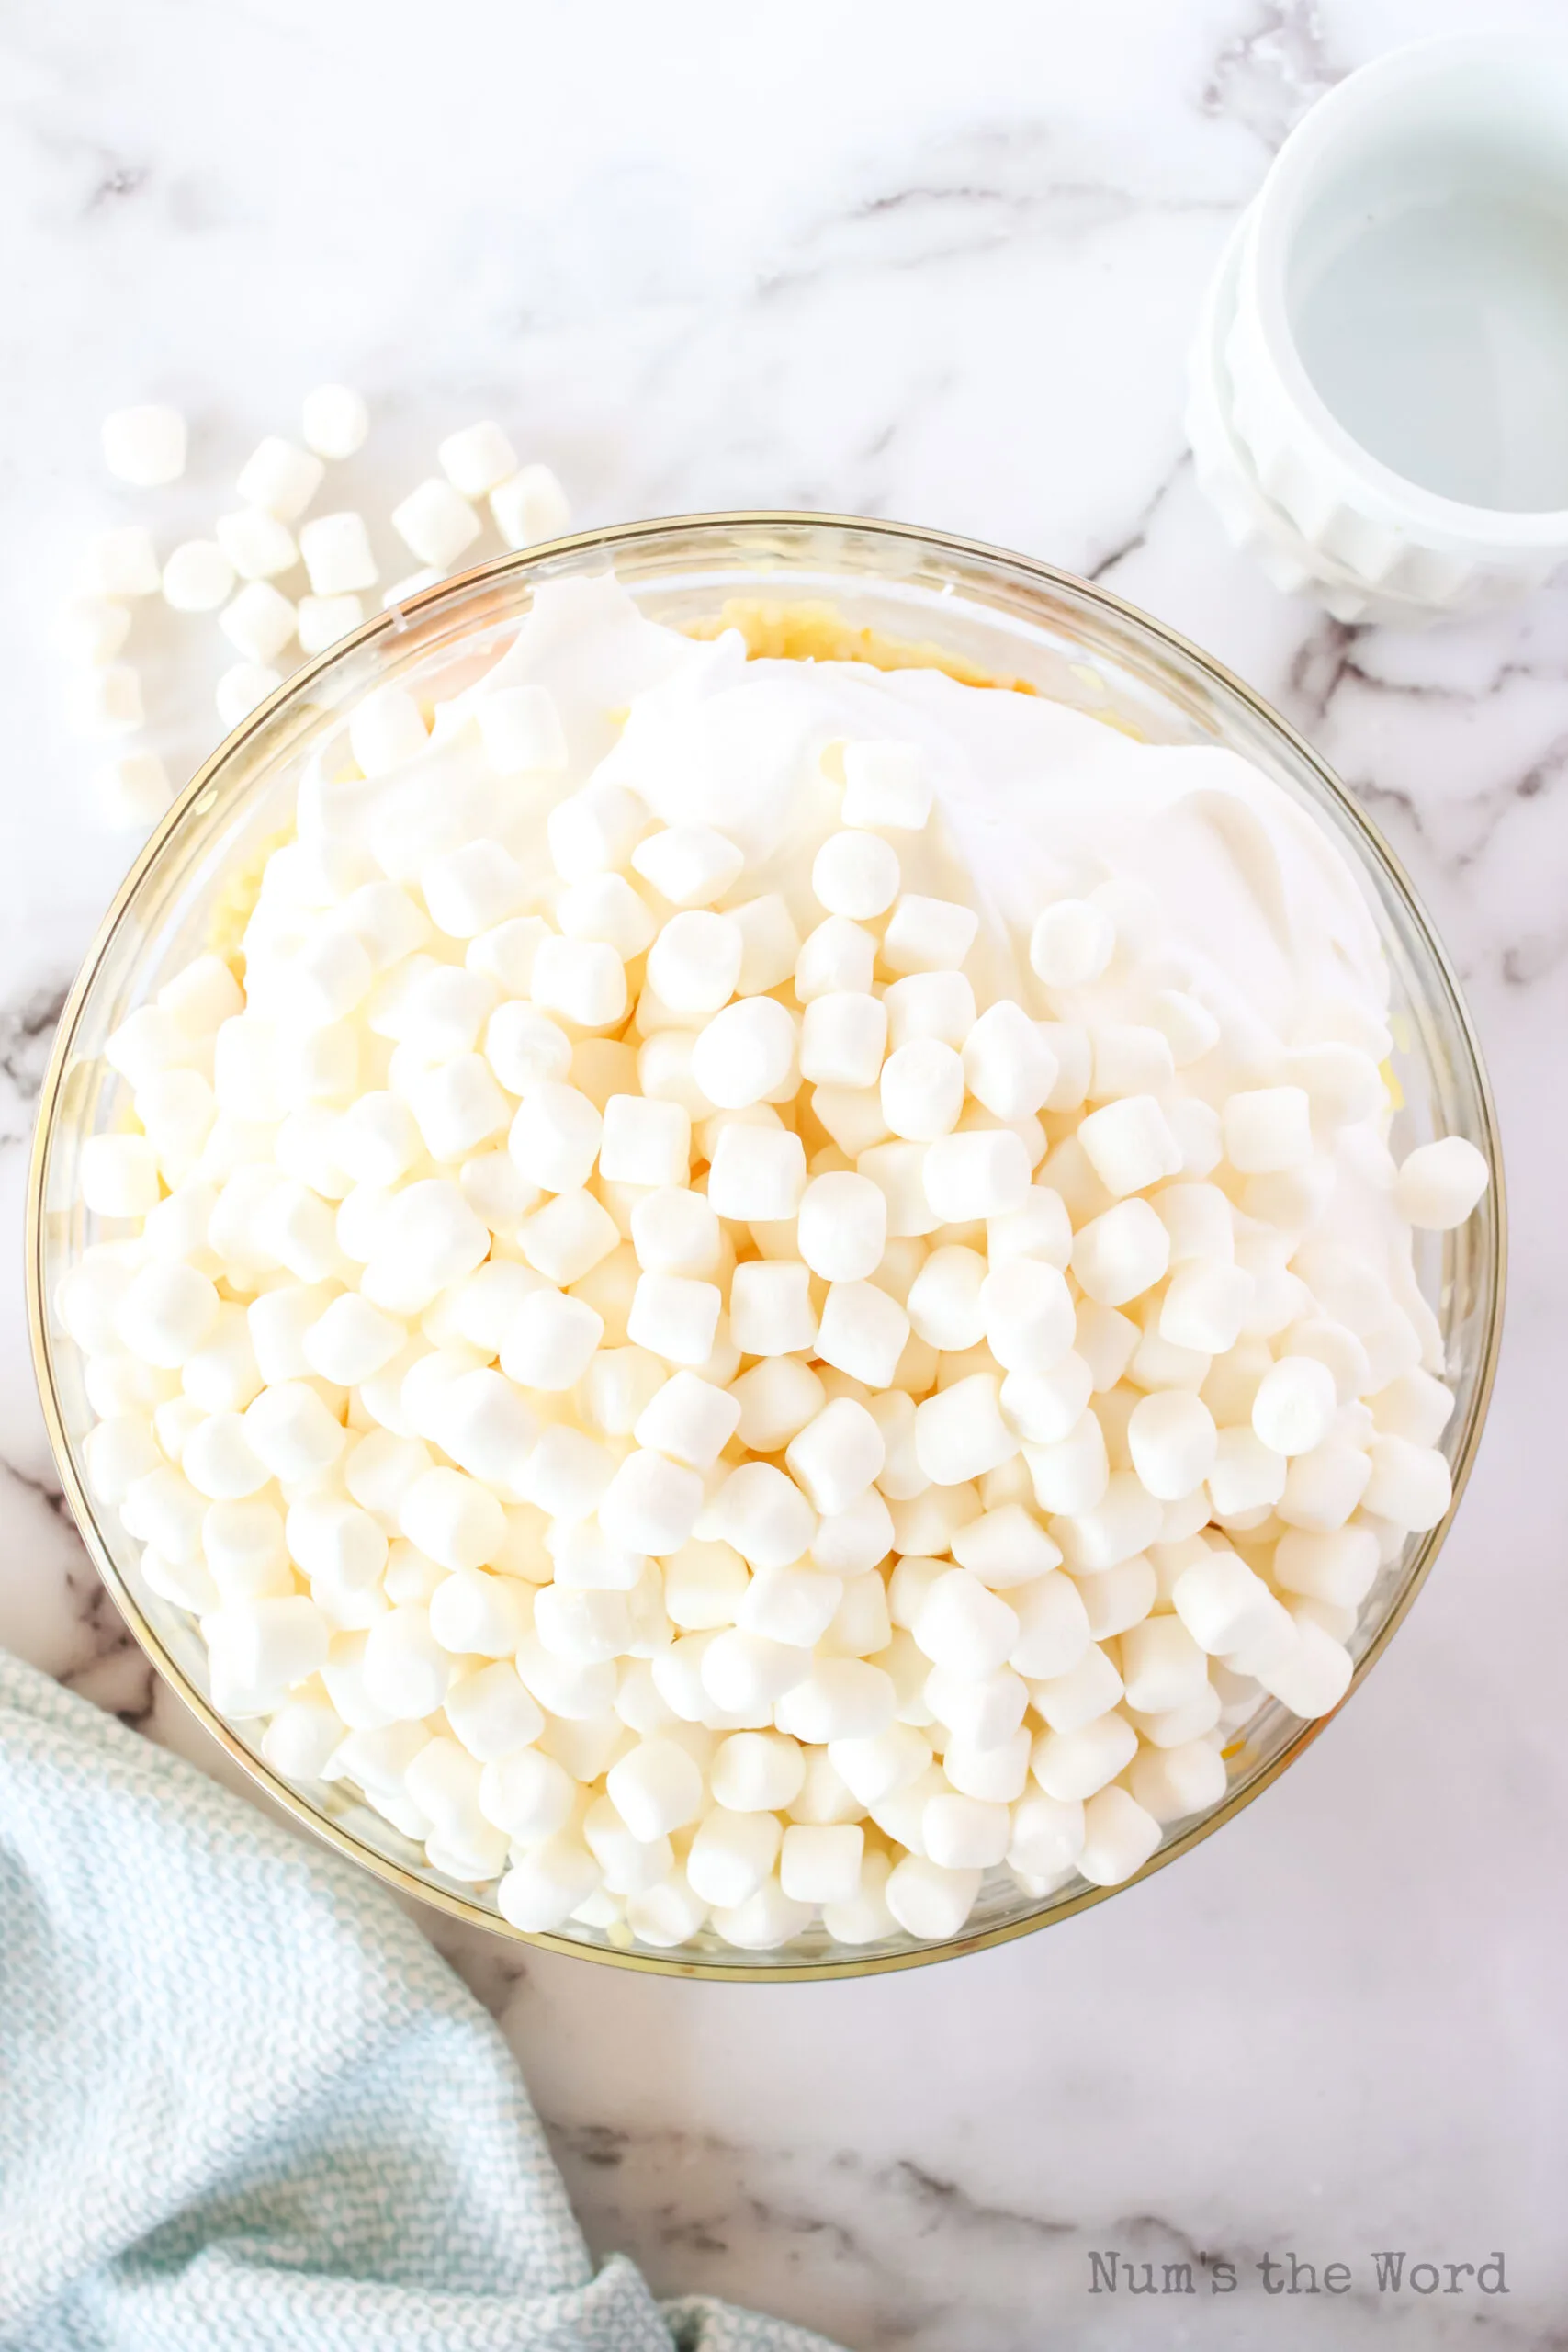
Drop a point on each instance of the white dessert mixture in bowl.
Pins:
(770, 1310)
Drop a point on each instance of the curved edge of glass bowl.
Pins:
(408, 1882)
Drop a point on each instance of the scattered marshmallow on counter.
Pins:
(254, 544)
(711, 1421)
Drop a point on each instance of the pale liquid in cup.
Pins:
(1438, 338)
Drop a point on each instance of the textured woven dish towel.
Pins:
(245, 2108)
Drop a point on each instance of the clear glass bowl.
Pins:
(1008, 618)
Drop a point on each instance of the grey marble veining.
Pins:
(942, 265)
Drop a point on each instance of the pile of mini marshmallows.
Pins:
(612, 1388)
(236, 574)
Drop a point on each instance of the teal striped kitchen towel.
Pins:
(245, 2105)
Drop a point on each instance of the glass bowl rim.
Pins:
(738, 522)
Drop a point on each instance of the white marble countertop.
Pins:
(942, 265)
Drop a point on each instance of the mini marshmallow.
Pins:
(453, 1519)
(1295, 1405)
(981, 1174)
(1118, 1256)
(841, 1227)
(1440, 1184)
(1028, 1314)
(1070, 1473)
(731, 1855)
(931, 1004)
(1129, 1145)
(1225, 1608)
(1162, 1666)
(583, 978)
(855, 875)
(477, 459)
(1005, 1547)
(770, 1312)
(838, 958)
(120, 563)
(837, 1456)
(923, 1090)
(584, 1627)
(843, 1038)
(293, 1431)
(691, 865)
(259, 622)
(527, 1794)
(928, 935)
(1082, 1695)
(566, 1239)
(1007, 1066)
(862, 1332)
(257, 545)
(745, 1675)
(694, 963)
(675, 1232)
(1071, 944)
(704, 1585)
(745, 1053)
(352, 1340)
(675, 1317)
(473, 889)
(821, 1862)
(794, 1605)
(945, 1300)
(1268, 1128)
(525, 1047)
(1074, 1766)
(334, 421)
(493, 1714)
(120, 1175)
(1410, 1485)
(555, 1137)
(898, 1171)
(268, 1644)
(1313, 1675)
(841, 1698)
(550, 1340)
(764, 1516)
(1172, 1782)
(1054, 1634)
(689, 1420)
(529, 507)
(280, 477)
(757, 1174)
(1120, 1837)
(548, 1884)
(1205, 1305)
(145, 446)
(1173, 1442)
(928, 1901)
(962, 1625)
(651, 1504)
(436, 523)
(198, 578)
(605, 908)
